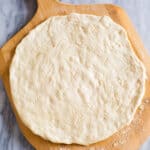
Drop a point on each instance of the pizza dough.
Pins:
(76, 79)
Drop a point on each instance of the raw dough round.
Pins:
(76, 79)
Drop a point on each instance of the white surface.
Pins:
(13, 15)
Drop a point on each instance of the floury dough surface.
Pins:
(76, 79)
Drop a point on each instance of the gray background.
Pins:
(14, 14)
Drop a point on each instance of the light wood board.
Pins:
(128, 138)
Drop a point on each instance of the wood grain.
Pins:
(130, 137)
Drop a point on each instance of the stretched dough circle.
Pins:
(76, 79)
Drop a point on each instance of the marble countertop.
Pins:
(14, 14)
